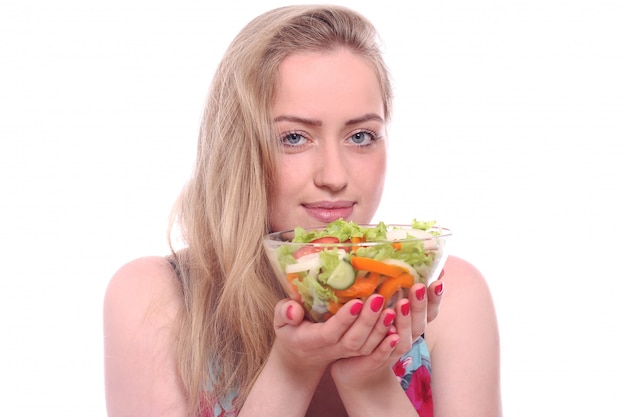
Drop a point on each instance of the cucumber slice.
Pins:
(342, 277)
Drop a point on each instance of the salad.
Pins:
(327, 267)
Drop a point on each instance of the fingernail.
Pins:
(420, 293)
(394, 342)
(377, 303)
(290, 312)
(356, 308)
(389, 319)
(439, 289)
(405, 309)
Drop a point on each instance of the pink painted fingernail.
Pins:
(356, 308)
(439, 289)
(394, 342)
(405, 309)
(420, 293)
(389, 319)
(377, 303)
(289, 312)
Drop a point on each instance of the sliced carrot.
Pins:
(363, 286)
(356, 240)
(368, 264)
(292, 276)
(334, 306)
(295, 276)
(392, 284)
(397, 245)
(295, 294)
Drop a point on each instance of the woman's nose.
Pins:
(331, 172)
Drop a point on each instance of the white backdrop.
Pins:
(509, 128)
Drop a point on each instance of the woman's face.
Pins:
(329, 115)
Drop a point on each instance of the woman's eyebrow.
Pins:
(365, 118)
(313, 122)
(296, 119)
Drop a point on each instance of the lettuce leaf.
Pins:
(340, 229)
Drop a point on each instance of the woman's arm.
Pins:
(140, 306)
(281, 389)
(465, 346)
(303, 350)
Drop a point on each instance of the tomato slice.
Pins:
(305, 250)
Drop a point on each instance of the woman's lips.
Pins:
(328, 211)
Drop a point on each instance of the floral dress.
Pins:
(413, 372)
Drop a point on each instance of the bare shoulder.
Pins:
(141, 306)
(142, 286)
(462, 276)
(143, 278)
(467, 301)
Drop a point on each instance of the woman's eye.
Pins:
(363, 138)
(293, 139)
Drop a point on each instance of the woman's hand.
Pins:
(362, 342)
(411, 316)
(367, 384)
(435, 292)
(355, 330)
(302, 351)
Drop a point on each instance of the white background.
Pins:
(509, 128)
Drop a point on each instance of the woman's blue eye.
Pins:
(293, 139)
(359, 137)
(362, 138)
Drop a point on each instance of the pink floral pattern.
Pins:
(223, 408)
(413, 372)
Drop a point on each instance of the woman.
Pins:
(297, 109)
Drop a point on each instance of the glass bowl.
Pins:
(324, 268)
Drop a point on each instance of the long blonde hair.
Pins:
(226, 329)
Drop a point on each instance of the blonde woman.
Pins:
(298, 107)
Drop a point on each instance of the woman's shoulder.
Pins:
(461, 276)
(148, 265)
(457, 263)
(141, 306)
(150, 276)
(141, 286)
(467, 303)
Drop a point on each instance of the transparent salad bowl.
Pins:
(324, 268)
